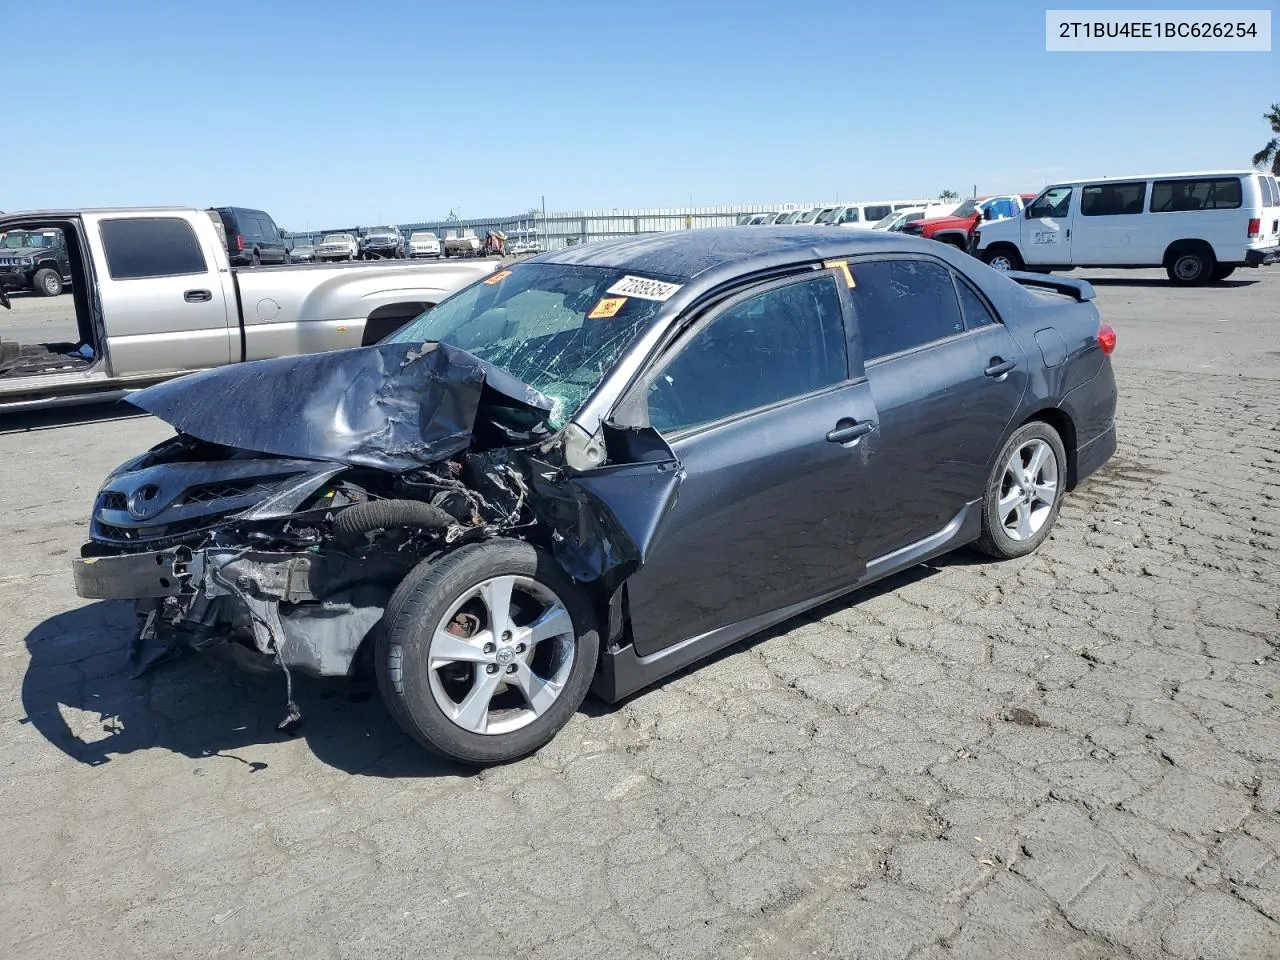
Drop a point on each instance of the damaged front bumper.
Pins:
(262, 609)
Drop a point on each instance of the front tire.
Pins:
(484, 654)
(1024, 492)
(1003, 258)
(47, 282)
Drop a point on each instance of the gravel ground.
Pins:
(1075, 755)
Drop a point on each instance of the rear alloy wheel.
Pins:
(1024, 493)
(485, 653)
(47, 282)
(1004, 259)
(1191, 266)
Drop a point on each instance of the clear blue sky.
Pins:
(330, 112)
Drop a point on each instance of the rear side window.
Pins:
(780, 344)
(976, 312)
(1112, 199)
(903, 304)
(1269, 198)
(878, 212)
(1210, 193)
(1275, 191)
(151, 247)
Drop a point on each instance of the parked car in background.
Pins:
(337, 246)
(563, 515)
(303, 254)
(382, 243)
(423, 243)
(462, 243)
(34, 260)
(759, 219)
(957, 228)
(252, 237)
(155, 297)
(1199, 226)
(864, 216)
(788, 217)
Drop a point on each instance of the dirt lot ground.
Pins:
(1076, 755)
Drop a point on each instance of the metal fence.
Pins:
(554, 230)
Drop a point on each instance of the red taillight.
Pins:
(1255, 228)
(239, 243)
(1107, 338)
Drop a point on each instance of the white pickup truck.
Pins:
(155, 298)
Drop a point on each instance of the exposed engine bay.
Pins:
(299, 492)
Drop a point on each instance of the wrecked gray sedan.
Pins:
(596, 467)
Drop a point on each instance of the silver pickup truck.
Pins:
(155, 298)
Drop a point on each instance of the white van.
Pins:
(1198, 226)
(864, 216)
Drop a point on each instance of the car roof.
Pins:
(688, 254)
(1158, 176)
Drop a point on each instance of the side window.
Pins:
(783, 343)
(878, 212)
(976, 312)
(850, 216)
(269, 229)
(1112, 199)
(902, 304)
(1054, 202)
(151, 247)
(1212, 193)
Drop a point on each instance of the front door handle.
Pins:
(197, 296)
(999, 368)
(848, 430)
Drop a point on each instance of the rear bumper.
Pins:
(1092, 455)
(1258, 258)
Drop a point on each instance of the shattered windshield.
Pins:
(553, 326)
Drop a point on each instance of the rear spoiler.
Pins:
(1080, 290)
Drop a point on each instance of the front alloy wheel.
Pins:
(485, 653)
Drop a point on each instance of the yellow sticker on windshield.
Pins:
(843, 267)
(498, 277)
(607, 307)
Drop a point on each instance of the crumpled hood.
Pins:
(391, 406)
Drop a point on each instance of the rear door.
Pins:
(946, 379)
(771, 430)
(162, 294)
(1046, 228)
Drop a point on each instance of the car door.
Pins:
(162, 298)
(271, 241)
(1046, 228)
(1108, 226)
(945, 379)
(770, 430)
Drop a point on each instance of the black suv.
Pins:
(252, 237)
(382, 243)
(34, 260)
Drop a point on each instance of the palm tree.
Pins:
(1271, 152)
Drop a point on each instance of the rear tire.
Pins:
(47, 282)
(1003, 258)
(1024, 492)
(451, 695)
(1190, 266)
(1221, 272)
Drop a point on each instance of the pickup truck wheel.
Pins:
(485, 653)
(1190, 266)
(1002, 258)
(47, 282)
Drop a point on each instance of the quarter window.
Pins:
(1112, 199)
(151, 247)
(780, 344)
(903, 304)
(1211, 193)
(976, 312)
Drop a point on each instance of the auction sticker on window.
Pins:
(498, 277)
(644, 288)
(606, 307)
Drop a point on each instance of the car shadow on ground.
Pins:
(1157, 282)
(104, 412)
(81, 694)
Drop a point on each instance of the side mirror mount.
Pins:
(988, 214)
